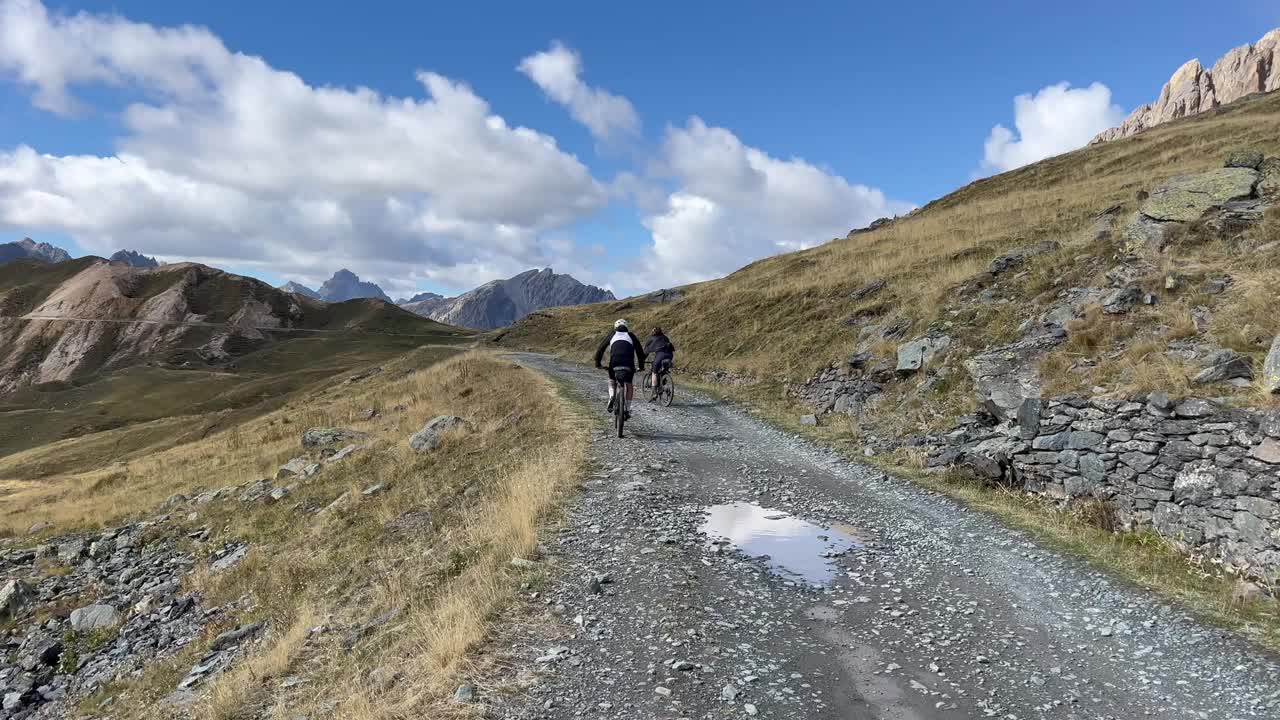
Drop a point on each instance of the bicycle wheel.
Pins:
(619, 409)
(667, 392)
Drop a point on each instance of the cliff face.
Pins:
(502, 302)
(1243, 71)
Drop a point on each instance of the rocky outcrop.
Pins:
(133, 259)
(346, 285)
(1203, 475)
(1193, 89)
(28, 249)
(1224, 201)
(502, 302)
(432, 434)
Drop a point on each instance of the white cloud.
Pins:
(1055, 120)
(734, 204)
(231, 161)
(558, 71)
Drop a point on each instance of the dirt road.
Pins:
(878, 599)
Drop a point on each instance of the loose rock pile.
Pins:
(88, 609)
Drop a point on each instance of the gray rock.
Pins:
(321, 436)
(1195, 408)
(234, 637)
(1120, 301)
(1188, 197)
(464, 694)
(95, 617)
(1029, 417)
(294, 467)
(1268, 451)
(230, 560)
(1271, 368)
(810, 420)
(1084, 440)
(431, 435)
(1238, 366)
(14, 596)
(1251, 159)
(914, 355)
(341, 455)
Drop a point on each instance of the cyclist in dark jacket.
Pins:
(625, 355)
(663, 351)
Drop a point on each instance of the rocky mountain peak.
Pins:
(134, 259)
(501, 302)
(1192, 89)
(300, 289)
(346, 285)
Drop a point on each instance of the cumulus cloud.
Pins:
(734, 204)
(558, 71)
(1057, 119)
(229, 160)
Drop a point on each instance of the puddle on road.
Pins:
(793, 548)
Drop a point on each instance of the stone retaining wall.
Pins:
(1205, 476)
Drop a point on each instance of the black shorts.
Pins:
(662, 362)
(621, 374)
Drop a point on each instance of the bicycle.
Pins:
(665, 392)
(622, 378)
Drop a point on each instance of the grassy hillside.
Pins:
(152, 394)
(787, 316)
(432, 543)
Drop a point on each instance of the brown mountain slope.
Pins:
(59, 322)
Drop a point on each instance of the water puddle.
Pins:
(793, 548)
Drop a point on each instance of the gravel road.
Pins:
(877, 599)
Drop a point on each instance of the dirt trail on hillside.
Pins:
(920, 609)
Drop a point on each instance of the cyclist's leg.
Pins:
(613, 387)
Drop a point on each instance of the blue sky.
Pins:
(896, 97)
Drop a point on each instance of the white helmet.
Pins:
(619, 324)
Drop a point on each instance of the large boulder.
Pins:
(432, 434)
(94, 617)
(1005, 377)
(1188, 197)
(322, 436)
(1271, 368)
(919, 352)
(14, 595)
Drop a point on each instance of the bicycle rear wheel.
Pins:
(619, 411)
(667, 392)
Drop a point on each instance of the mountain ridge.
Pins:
(26, 248)
(346, 285)
(1193, 89)
(133, 258)
(499, 303)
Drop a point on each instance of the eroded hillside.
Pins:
(88, 346)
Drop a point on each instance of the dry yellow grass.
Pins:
(435, 546)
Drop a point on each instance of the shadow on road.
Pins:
(642, 434)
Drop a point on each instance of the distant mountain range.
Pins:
(28, 249)
(502, 302)
(492, 305)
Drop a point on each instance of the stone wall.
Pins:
(1202, 475)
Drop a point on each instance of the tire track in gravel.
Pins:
(941, 613)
